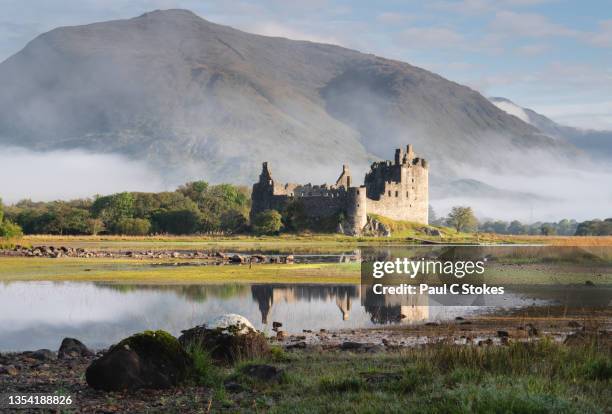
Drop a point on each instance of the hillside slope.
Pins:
(197, 99)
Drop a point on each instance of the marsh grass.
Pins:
(539, 377)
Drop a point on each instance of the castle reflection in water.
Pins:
(385, 312)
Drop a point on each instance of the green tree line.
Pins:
(462, 218)
(196, 207)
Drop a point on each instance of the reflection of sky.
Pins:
(39, 314)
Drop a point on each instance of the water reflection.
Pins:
(39, 314)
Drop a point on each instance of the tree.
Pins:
(548, 229)
(132, 226)
(8, 229)
(294, 216)
(516, 227)
(177, 221)
(111, 209)
(462, 219)
(267, 222)
(95, 226)
(220, 205)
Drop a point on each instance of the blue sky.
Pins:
(554, 56)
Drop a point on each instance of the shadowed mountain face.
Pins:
(196, 99)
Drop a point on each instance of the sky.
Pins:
(554, 56)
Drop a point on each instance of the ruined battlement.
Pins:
(396, 189)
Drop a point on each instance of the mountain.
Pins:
(198, 99)
(598, 144)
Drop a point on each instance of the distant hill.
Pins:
(598, 144)
(197, 99)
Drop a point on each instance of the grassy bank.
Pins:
(160, 271)
(542, 377)
(179, 271)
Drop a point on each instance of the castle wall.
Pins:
(396, 189)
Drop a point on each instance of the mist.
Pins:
(45, 176)
(556, 190)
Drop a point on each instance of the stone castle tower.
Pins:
(396, 189)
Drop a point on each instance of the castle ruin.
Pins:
(395, 189)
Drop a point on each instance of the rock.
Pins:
(152, 359)
(276, 325)
(432, 324)
(307, 330)
(41, 354)
(465, 323)
(350, 345)
(574, 324)
(9, 370)
(297, 345)
(71, 348)
(281, 335)
(228, 338)
(589, 283)
(237, 259)
(233, 386)
(233, 321)
(262, 372)
(502, 334)
(176, 255)
(459, 318)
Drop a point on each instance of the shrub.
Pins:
(267, 222)
(132, 226)
(9, 230)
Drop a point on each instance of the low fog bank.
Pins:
(556, 191)
(46, 176)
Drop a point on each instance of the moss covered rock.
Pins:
(151, 359)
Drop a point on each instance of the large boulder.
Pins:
(71, 348)
(228, 338)
(151, 359)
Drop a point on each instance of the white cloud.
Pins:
(475, 7)
(394, 18)
(528, 25)
(532, 50)
(587, 115)
(603, 37)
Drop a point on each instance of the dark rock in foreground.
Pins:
(152, 359)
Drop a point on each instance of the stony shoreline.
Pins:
(58, 252)
(46, 371)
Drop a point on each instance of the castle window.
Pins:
(397, 194)
(407, 194)
(389, 193)
(413, 180)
